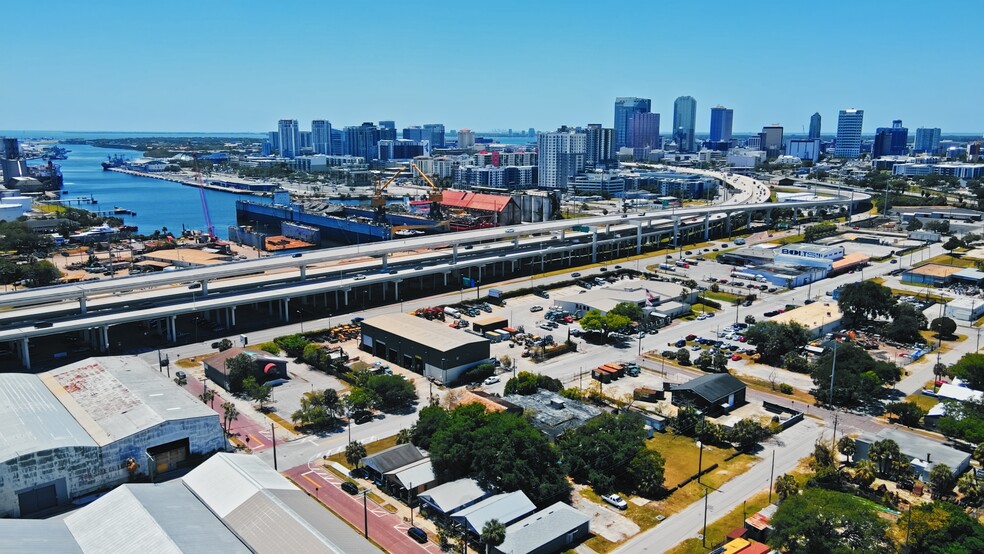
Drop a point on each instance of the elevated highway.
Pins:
(486, 255)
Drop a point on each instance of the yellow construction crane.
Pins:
(379, 200)
(435, 196)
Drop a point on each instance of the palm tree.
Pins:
(230, 414)
(847, 447)
(970, 487)
(882, 453)
(493, 533)
(786, 486)
(864, 473)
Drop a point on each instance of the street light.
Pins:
(700, 460)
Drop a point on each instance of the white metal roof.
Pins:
(535, 531)
(34, 419)
(452, 496)
(506, 508)
(429, 333)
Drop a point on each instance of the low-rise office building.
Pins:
(819, 318)
(426, 347)
(645, 294)
(937, 275)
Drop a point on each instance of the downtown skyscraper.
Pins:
(561, 156)
(644, 130)
(625, 108)
(814, 126)
(289, 135)
(927, 140)
(722, 120)
(849, 133)
(321, 136)
(684, 123)
(890, 141)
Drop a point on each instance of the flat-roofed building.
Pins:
(426, 347)
(819, 318)
(505, 508)
(937, 275)
(923, 453)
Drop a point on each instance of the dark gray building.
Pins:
(711, 394)
(553, 529)
(426, 347)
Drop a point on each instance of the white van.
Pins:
(452, 312)
(739, 242)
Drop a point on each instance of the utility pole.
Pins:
(703, 535)
(833, 371)
(273, 436)
(772, 475)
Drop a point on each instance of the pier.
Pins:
(187, 183)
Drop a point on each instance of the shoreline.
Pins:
(189, 183)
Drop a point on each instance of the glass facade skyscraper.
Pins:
(814, 126)
(684, 123)
(625, 108)
(289, 133)
(927, 140)
(891, 141)
(644, 130)
(849, 133)
(321, 136)
(721, 121)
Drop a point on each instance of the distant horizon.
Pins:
(218, 65)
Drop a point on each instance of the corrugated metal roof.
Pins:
(416, 474)
(535, 531)
(34, 419)
(452, 496)
(712, 388)
(392, 458)
(36, 535)
(151, 518)
(506, 508)
(115, 397)
(224, 482)
(429, 333)
(474, 201)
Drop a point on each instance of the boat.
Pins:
(100, 232)
(115, 160)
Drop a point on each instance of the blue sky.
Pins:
(217, 65)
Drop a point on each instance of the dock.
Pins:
(187, 183)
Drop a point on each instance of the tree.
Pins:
(848, 447)
(354, 452)
(238, 368)
(646, 472)
(224, 344)
(941, 528)
(293, 345)
(914, 225)
(906, 413)
(822, 521)
(42, 273)
(431, 419)
(883, 453)
(773, 340)
(941, 480)
(720, 363)
(404, 436)
(905, 324)
(969, 487)
(318, 409)
(963, 420)
(611, 322)
(395, 393)
(207, 396)
(944, 327)
(607, 441)
(493, 533)
(256, 392)
(796, 363)
(747, 433)
(859, 380)
(630, 310)
(229, 414)
(970, 368)
(786, 486)
(952, 244)
(705, 360)
(683, 356)
(361, 399)
(865, 301)
(864, 473)
(527, 383)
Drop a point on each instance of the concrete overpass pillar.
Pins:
(707, 226)
(385, 289)
(204, 287)
(727, 222)
(346, 291)
(172, 327)
(676, 232)
(516, 242)
(25, 352)
(82, 306)
(385, 260)
(303, 272)
(232, 316)
(594, 246)
(445, 275)
(639, 237)
(285, 306)
(454, 254)
(104, 338)
(396, 290)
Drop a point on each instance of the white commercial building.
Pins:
(812, 255)
(740, 157)
(849, 133)
(562, 155)
(804, 149)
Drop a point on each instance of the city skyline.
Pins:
(211, 72)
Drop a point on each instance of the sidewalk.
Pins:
(385, 529)
(256, 435)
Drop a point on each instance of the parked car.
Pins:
(681, 343)
(615, 500)
(575, 275)
(359, 277)
(417, 534)
(491, 380)
(182, 376)
(735, 358)
(350, 487)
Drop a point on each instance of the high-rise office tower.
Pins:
(684, 122)
(436, 137)
(337, 142)
(561, 155)
(927, 140)
(466, 138)
(362, 141)
(721, 122)
(849, 133)
(644, 130)
(814, 126)
(531, 132)
(290, 138)
(274, 138)
(625, 108)
(387, 130)
(387, 124)
(772, 140)
(890, 141)
(307, 141)
(600, 145)
(321, 136)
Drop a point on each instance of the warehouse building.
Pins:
(552, 529)
(711, 394)
(922, 453)
(937, 275)
(230, 504)
(965, 308)
(426, 347)
(819, 318)
(657, 295)
(92, 425)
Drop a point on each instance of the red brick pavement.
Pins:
(244, 427)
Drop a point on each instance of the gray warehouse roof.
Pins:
(506, 508)
(393, 458)
(428, 333)
(452, 496)
(115, 397)
(919, 447)
(554, 414)
(712, 387)
(535, 531)
(34, 419)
